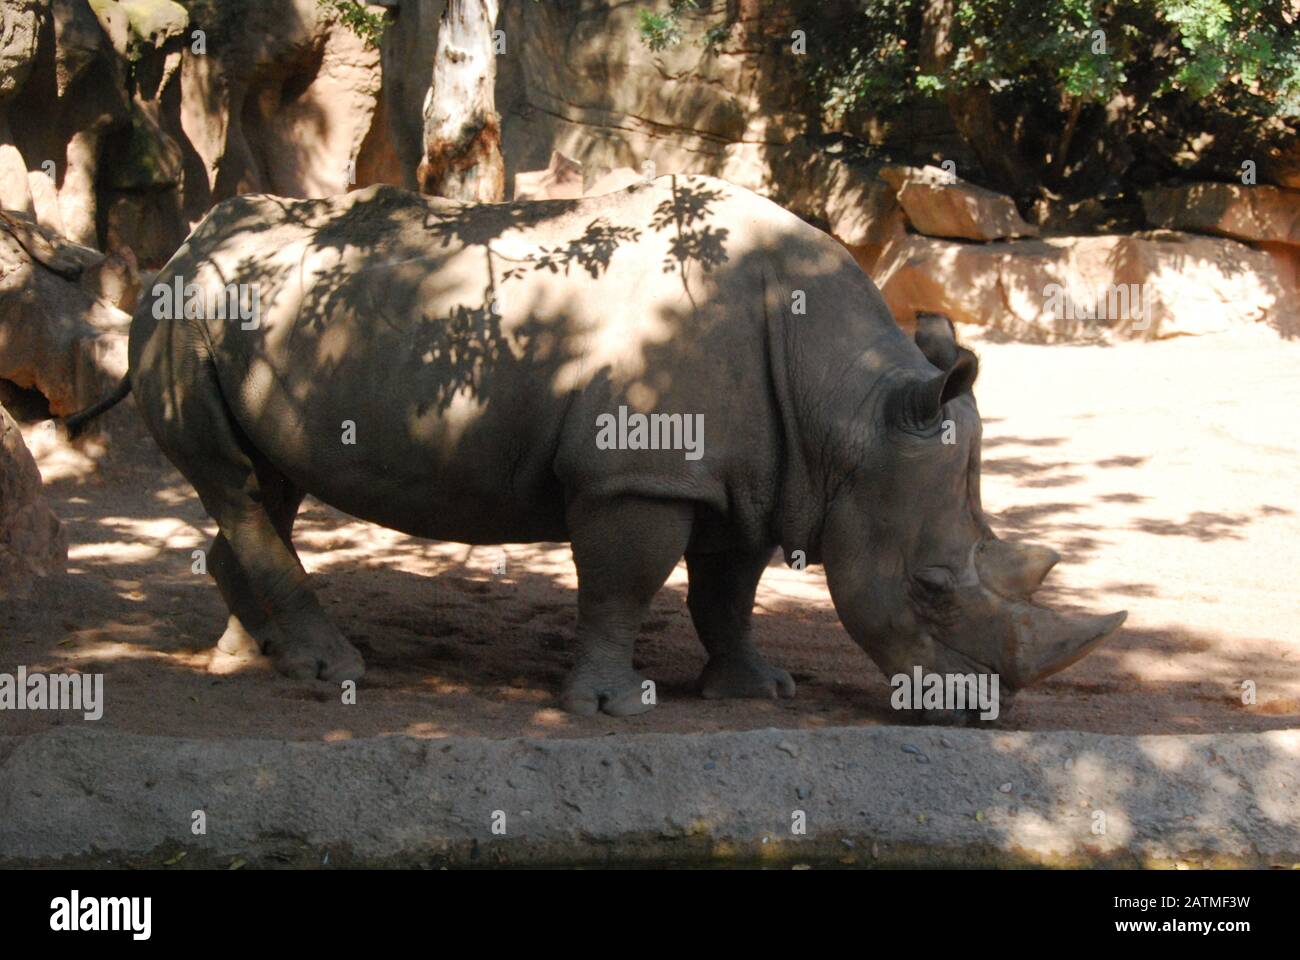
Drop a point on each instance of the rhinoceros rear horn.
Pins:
(920, 402)
(1048, 642)
(1013, 569)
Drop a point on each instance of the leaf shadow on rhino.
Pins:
(459, 350)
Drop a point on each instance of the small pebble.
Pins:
(1005, 788)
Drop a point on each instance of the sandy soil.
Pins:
(1166, 474)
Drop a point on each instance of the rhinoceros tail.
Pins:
(74, 423)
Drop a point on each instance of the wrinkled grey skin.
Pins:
(473, 349)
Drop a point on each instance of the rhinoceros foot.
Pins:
(240, 643)
(744, 678)
(323, 653)
(619, 693)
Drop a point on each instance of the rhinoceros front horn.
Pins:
(1047, 642)
(1013, 570)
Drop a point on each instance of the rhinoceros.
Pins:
(681, 368)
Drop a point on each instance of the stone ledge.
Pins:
(873, 796)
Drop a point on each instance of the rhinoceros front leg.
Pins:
(624, 549)
(721, 601)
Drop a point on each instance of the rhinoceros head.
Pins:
(917, 576)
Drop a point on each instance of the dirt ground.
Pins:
(1166, 475)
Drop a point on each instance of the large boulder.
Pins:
(561, 180)
(1256, 214)
(847, 198)
(74, 96)
(1279, 153)
(282, 99)
(149, 24)
(122, 122)
(939, 204)
(576, 78)
(611, 181)
(1145, 286)
(32, 543)
(20, 23)
(62, 329)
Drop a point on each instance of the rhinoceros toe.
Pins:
(746, 678)
(325, 657)
(624, 694)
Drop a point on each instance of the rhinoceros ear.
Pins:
(937, 339)
(919, 404)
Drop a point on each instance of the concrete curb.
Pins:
(871, 796)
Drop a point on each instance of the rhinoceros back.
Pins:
(443, 368)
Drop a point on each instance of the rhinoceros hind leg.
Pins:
(721, 601)
(250, 629)
(239, 641)
(239, 490)
(624, 550)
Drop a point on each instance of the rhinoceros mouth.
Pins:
(963, 664)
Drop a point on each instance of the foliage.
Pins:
(662, 30)
(1243, 54)
(357, 17)
(1062, 75)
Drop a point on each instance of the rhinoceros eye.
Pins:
(935, 580)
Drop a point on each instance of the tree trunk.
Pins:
(972, 111)
(462, 131)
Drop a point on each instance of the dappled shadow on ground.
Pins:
(459, 643)
(475, 641)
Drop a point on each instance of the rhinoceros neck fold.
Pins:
(829, 369)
